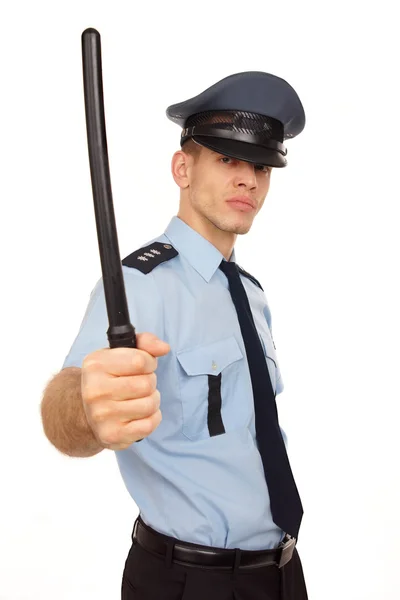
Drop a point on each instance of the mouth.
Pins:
(242, 203)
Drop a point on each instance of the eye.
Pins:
(263, 168)
(225, 159)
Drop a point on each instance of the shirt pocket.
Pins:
(208, 380)
(270, 354)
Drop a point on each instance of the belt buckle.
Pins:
(287, 552)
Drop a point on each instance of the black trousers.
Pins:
(147, 576)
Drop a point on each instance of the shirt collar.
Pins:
(199, 252)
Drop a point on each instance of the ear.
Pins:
(180, 164)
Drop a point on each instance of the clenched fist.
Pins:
(119, 392)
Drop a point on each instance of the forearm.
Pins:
(63, 417)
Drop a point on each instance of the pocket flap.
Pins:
(210, 359)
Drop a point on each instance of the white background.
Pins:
(325, 248)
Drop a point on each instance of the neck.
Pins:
(224, 241)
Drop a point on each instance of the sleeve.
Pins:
(279, 381)
(145, 313)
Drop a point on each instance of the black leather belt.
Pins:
(195, 555)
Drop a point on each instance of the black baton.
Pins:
(121, 332)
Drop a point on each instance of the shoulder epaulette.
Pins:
(253, 279)
(147, 258)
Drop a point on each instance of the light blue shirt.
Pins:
(200, 488)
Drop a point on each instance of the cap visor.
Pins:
(243, 151)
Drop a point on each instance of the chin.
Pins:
(237, 228)
(239, 225)
(242, 229)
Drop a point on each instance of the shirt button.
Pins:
(214, 365)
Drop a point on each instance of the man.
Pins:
(198, 445)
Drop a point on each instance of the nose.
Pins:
(246, 175)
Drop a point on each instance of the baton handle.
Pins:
(121, 332)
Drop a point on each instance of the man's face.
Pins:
(215, 179)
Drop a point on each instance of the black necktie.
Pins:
(286, 507)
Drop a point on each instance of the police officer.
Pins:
(191, 413)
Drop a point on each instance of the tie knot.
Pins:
(229, 268)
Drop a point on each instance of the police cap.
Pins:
(245, 116)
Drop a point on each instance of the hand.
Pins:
(119, 394)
